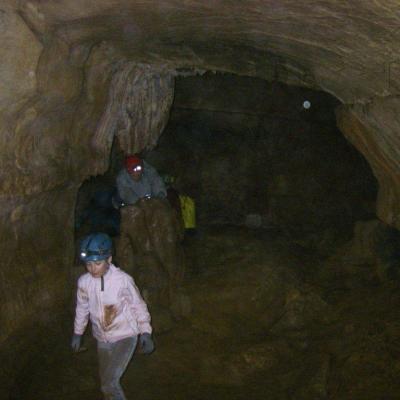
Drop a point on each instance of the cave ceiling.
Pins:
(348, 49)
(59, 58)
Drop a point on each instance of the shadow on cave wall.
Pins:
(94, 211)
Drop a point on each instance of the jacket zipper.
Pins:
(101, 309)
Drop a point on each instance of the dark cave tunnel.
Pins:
(250, 153)
(279, 194)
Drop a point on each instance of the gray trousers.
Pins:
(113, 360)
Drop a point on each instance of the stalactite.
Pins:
(138, 107)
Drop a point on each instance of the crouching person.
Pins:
(117, 312)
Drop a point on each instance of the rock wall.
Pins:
(41, 170)
(52, 98)
(348, 50)
(54, 83)
(373, 128)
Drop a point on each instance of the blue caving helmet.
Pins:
(95, 247)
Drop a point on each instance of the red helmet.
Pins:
(131, 162)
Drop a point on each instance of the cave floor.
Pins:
(264, 324)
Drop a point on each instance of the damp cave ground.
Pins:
(226, 350)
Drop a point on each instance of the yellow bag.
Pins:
(188, 211)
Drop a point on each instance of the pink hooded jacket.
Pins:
(115, 306)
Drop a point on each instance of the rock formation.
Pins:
(62, 65)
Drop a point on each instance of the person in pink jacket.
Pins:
(117, 312)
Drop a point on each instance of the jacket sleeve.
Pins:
(82, 309)
(137, 308)
(158, 188)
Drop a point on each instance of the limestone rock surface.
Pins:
(58, 62)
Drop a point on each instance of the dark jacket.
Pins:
(149, 185)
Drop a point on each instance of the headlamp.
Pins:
(137, 168)
(88, 253)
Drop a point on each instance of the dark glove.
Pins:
(76, 342)
(146, 343)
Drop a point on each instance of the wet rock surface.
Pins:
(265, 323)
(149, 248)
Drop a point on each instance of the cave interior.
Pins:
(285, 136)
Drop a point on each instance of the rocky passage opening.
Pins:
(94, 210)
(75, 75)
(249, 153)
(292, 280)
